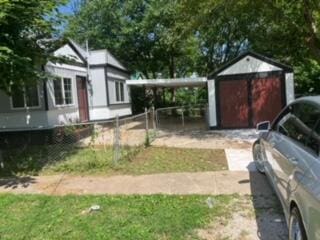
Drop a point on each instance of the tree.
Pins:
(178, 37)
(144, 34)
(27, 30)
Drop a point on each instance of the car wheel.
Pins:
(296, 228)
(258, 156)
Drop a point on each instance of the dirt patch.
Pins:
(252, 219)
(206, 139)
(131, 134)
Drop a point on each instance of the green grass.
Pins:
(135, 161)
(121, 217)
(164, 160)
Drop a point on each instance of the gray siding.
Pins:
(5, 102)
(113, 76)
(67, 73)
(98, 96)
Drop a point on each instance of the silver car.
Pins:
(288, 152)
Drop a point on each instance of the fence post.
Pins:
(182, 117)
(116, 141)
(1, 160)
(147, 120)
(147, 140)
(154, 119)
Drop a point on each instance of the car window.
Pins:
(294, 128)
(301, 123)
(307, 113)
(314, 140)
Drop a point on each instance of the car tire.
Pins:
(258, 156)
(296, 228)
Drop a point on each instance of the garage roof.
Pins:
(170, 82)
(260, 59)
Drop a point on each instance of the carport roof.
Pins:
(170, 82)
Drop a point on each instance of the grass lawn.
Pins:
(121, 217)
(80, 161)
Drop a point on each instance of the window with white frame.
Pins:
(63, 91)
(26, 97)
(119, 91)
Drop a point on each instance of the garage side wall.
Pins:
(212, 104)
(290, 95)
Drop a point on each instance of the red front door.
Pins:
(82, 99)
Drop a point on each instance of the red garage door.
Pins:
(266, 99)
(244, 103)
(234, 106)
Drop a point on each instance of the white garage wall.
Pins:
(249, 64)
(212, 103)
(289, 87)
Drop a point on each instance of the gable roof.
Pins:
(78, 50)
(111, 60)
(254, 55)
(96, 57)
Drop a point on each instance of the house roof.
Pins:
(254, 55)
(78, 49)
(107, 59)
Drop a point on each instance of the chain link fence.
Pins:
(94, 146)
(183, 118)
(76, 148)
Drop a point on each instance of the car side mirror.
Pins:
(263, 127)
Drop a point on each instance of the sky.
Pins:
(67, 9)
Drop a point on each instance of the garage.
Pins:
(249, 89)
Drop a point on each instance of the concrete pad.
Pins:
(240, 160)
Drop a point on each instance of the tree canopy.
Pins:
(175, 38)
(27, 31)
(167, 38)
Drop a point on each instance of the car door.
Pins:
(271, 147)
(288, 151)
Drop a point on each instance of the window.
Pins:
(302, 124)
(63, 91)
(119, 91)
(27, 97)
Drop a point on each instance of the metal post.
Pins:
(147, 120)
(1, 160)
(154, 119)
(116, 141)
(182, 117)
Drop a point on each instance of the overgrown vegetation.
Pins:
(121, 217)
(134, 160)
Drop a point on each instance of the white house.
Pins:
(90, 88)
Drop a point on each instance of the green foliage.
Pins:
(176, 38)
(121, 217)
(145, 35)
(26, 40)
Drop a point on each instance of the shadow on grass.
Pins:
(17, 182)
(32, 159)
